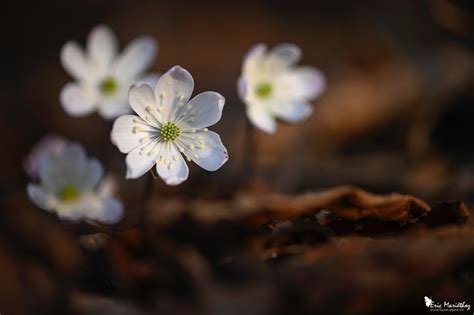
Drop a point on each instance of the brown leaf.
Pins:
(345, 202)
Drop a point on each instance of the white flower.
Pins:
(273, 87)
(68, 183)
(168, 124)
(103, 77)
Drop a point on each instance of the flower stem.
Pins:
(147, 193)
(250, 146)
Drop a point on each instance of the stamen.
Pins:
(109, 86)
(264, 90)
(169, 132)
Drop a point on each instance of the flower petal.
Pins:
(102, 47)
(173, 90)
(92, 175)
(205, 148)
(91, 206)
(254, 57)
(73, 212)
(108, 186)
(113, 107)
(87, 207)
(242, 87)
(39, 196)
(76, 100)
(291, 111)
(111, 211)
(127, 132)
(171, 166)
(136, 58)
(75, 154)
(74, 61)
(203, 110)
(142, 100)
(138, 162)
(261, 118)
(56, 171)
(285, 54)
(311, 82)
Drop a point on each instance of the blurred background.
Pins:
(397, 114)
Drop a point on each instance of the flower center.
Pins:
(109, 86)
(69, 193)
(264, 90)
(169, 132)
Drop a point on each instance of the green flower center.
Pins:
(264, 90)
(109, 86)
(69, 193)
(169, 132)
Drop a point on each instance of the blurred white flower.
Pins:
(273, 87)
(69, 184)
(103, 77)
(168, 124)
(50, 144)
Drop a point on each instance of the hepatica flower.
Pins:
(70, 185)
(103, 77)
(273, 87)
(168, 126)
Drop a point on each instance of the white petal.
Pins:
(87, 206)
(311, 82)
(102, 47)
(242, 87)
(93, 207)
(142, 100)
(74, 61)
(108, 186)
(254, 57)
(136, 58)
(205, 148)
(76, 100)
(92, 174)
(72, 212)
(113, 107)
(138, 162)
(72, 168)
(291, 111)
(74, 156)
(203, 110)
(66, 169)
(111, 211)
(172, 167)
(261, 118)
(127, 132)
(39, 196)
(174, 88)
(49, 173)
(285, 54)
